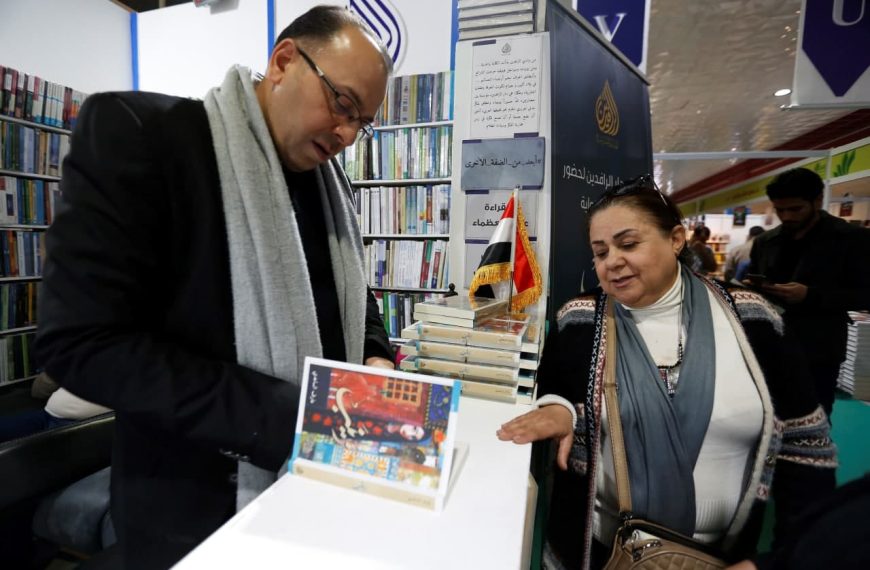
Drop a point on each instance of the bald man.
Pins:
(206, 248)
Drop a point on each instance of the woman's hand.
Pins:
(548, 422)
(379, 362)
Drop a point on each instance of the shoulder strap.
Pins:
(620, 463)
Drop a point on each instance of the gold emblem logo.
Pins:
(606, 113)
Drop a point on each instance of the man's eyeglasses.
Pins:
(342, 105)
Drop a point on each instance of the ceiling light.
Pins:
(781, 92)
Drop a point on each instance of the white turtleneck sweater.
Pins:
(735, 422)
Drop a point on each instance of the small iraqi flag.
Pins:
(495, 264)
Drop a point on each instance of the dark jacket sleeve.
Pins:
(565, 362)
(851, 291)
(105, 295)
(831, 533)
(377, 343)
(807, 457)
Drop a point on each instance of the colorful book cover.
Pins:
(384, 432)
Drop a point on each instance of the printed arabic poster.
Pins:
(483, 210)
(489, 164)
(506, 86)
(384, 425)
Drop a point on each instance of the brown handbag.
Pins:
(640, 544)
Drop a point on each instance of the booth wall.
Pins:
(185, 50)
(424, 29)
(83, 44)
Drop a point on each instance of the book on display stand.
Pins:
(383, 432)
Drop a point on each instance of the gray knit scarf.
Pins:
(663, 435)
(275, 322)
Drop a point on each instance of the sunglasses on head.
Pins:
(641, 184)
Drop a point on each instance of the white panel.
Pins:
(288, 10)
(185, 50)
(83, 44)
(428, 24)
(465, 256)
(425, 26)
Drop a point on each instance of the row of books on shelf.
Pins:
(855, 369)
(494, 353)
(411, 264)
(17, 305)
(21, 253)
(412, 210)
(423, 98)
(31, 150)
(397, 308)
(27, 201)
(32, 98)
(419, 152)
(16, 357)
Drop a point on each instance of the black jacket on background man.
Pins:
(832, 260)
(136, 313)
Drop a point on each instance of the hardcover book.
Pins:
(491, 333)
(383, 432)
(472, 388)
(468, 371)
(461, 353)
(461, 307)
(472, 354)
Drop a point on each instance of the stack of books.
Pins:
(855, 370)
(494, 18)
(492, 352)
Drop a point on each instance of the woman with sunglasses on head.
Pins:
(710, 395)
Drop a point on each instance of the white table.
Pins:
(487, 520)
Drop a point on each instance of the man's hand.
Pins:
(789, 292)
(379, 362)
(548, 422)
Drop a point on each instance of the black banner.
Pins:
(601, 136)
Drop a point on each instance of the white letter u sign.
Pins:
(839, 16)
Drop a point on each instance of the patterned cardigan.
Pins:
(795, 438)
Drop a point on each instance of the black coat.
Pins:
(568, 367)
(834, 265)
(136, 314)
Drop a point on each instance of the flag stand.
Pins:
(516, 198)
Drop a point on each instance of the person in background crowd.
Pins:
(705, 259)
(206, 248)
(737, 262)
(817, 269)
(703, 373)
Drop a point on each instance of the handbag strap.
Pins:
(617, 443)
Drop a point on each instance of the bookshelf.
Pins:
(401, 180)
(719, 246)
(36, 117)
